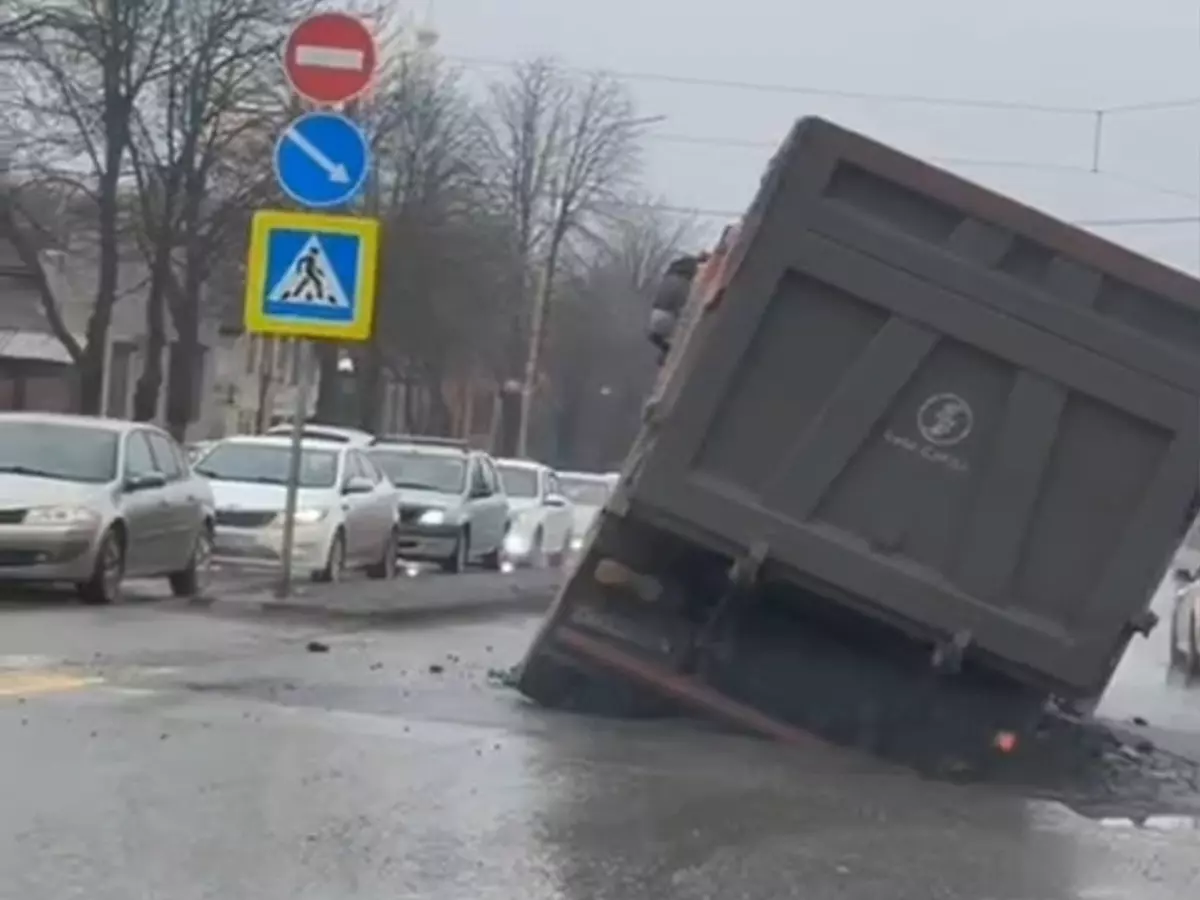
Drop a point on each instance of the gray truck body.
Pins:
(939, 408)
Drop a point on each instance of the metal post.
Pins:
(299, 415)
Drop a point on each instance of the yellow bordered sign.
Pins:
(312, 276)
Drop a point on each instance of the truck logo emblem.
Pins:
(945, 420)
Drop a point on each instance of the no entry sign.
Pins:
(330, 58)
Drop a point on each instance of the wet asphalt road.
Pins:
(156, 753)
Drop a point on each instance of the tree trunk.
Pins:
(368, 379)
(89, 373)
(184, 359)
(537, 331)
(149, 383)
(91, 363)
(329, 393)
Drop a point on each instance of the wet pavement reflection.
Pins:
(203, 758)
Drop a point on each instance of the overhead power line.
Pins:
(961, 161)
(812, 91)
(731, 214)
(915, 99)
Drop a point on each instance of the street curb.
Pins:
(531, 600)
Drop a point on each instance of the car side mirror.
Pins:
(358, 485)
(145, 482)
(557, 500)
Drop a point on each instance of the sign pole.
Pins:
(299, 415)
(312, 276)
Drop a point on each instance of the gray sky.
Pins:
(1064, 53)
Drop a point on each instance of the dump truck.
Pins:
(911, 475)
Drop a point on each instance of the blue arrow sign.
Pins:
(322, 160)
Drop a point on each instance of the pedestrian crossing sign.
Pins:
(311, 275)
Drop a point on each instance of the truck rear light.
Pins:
(1005, 741)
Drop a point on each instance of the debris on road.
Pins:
(317, 647)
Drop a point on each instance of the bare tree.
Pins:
(557, 147)
(600, 364)
(441, 281)
(81, 69)
(198, 157)
(30, 235)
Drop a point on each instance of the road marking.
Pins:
(26, 684)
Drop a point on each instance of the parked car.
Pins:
(316, 431)
(1185, 625)
(541, 521)
(346, 509)
(453, 509)
(588, 492)
(92, 501)
(197, 449)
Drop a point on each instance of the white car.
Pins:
(588, 492)
(1185, 625)
(453, 510)
(347, 511)
(316, 431)
(542, 524)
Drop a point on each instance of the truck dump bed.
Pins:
(950, 412)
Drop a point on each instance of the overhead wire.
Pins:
(921, 99)
(892, 98)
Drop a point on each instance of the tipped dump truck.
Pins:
(915, 467)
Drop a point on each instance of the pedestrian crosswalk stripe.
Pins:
(27, 684)
(310, 278)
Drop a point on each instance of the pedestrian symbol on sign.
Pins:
(310, 279)
(311, 275)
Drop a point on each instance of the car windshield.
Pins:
(519, 481)
(584, 491)
(58, 450)
(422, 471)
(267, 464)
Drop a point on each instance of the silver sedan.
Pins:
(90, 501)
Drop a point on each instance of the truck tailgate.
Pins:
(957, 414)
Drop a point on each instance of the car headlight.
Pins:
(62, 515)
(303, 516)
(576, 543)
(515, 544)
(432, 517)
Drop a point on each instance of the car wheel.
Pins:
(195, 579)
(335, 564)
(457, 561)
(108, 572)
(494, 561)
(559, 559)
(537, 550)
(385, 569)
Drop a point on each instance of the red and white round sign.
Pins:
(330, 58)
